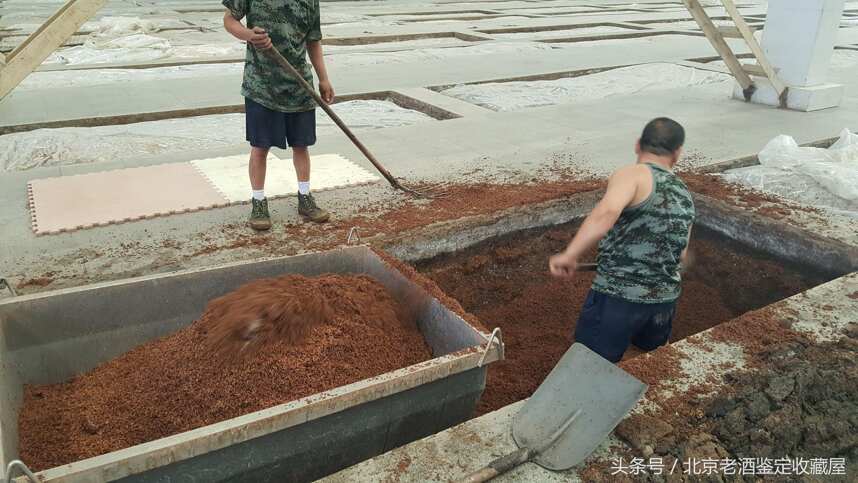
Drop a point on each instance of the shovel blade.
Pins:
(584, 381)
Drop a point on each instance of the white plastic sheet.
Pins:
(123, 40)
(66, 146)
(112, 27)
(94, 77)
(513, 96)
(822, 178)
(373, 114)
(97, 50)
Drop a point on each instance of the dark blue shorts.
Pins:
(608, 325)
(266, 127)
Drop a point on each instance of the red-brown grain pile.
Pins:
(178, 383)
(760, 202)
(284, 308)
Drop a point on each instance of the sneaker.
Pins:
(308, 209)
(259, 218)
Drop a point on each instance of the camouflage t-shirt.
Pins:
(639, 258)
(290, 24)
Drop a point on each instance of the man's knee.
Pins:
(258, 155)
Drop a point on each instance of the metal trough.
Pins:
(49, 337)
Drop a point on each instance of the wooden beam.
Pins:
(754, 69)
(730, 32)
(717, 40)
(44, 41)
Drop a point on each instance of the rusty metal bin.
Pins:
(49, 337)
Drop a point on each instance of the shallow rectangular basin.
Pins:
(49, 337)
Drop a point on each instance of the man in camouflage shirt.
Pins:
(642, 225)
(278, 112)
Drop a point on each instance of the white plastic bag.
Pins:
(835, 168)
(823, 178)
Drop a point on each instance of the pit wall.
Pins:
(775, 238)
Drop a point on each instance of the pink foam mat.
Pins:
(76, 202)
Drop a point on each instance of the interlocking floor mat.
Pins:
(69, 203)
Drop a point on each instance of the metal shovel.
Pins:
(580, 402)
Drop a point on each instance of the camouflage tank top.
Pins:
(290, 24)
(639, 257)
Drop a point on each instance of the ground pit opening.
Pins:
(182, 381)
(557, 31)
(514, 95)
(504, 281)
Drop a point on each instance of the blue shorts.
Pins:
(266, 127)
(608, 325)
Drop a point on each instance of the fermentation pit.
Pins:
(504, 281)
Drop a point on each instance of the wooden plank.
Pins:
(729, 31)
(717, 40)
(748, 36)
(44, 41)
(754, 69)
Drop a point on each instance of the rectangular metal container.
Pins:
(49, 337)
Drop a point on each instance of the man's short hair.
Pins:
(662, 136)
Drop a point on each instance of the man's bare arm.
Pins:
(622, 187)
(317, 58)
(686, 258)
(256, 36)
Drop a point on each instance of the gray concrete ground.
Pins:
(593, 136)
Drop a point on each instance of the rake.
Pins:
(428, 191)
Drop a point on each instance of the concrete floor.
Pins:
(593, 137)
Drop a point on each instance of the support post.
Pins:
(798, 40)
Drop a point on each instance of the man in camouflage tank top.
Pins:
(642, 226)
(278, 112)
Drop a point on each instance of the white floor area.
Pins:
(330, 171)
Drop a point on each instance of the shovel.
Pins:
(580, 402)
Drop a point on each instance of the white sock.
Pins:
(258, 195)
(304, 187)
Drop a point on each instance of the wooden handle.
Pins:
(278, 57)
(499, 466)
(586, 267)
